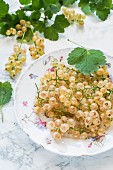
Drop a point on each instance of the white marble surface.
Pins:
(17, 151)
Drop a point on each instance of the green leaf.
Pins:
(4, 8)
(39, 26)
(35, 15)
(103, 4)
(1, 24)
(112, 7)
(92, 7)
(55, 7)
(3, 29)
(15, 20)
(7, 18)
(52, 9)
(103, 14)
(68, 2)
(75, 55)
(5, 93)
(49, 2)
(87, 61)
(60, 23)
(84, 4)
(24, 2)
(28, 35)
(37, 4)
(102, 7)
(21, 15)
(51, 33)
(49, 14)
(28, 8)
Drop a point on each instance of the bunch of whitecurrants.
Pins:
(37, 49)
(77, 105)
(72, 16)
(19, 29)
(16, 61)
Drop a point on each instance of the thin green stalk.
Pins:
(22, 39)
(1, 114)
(21, 44)
(76, 43)
(37, 89)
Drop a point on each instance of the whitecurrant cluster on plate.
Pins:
(16, 61)
(19, 29)
(72, 16)
(78, 106)
(37, 49)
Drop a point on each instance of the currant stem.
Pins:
(22, 39)
(1, 114)
(21, 43)
(37, 89)
(76, 43)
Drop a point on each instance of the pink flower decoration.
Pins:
(61, 58)
(51, 69)
(25, 103)
(43, 124)
(89, 146)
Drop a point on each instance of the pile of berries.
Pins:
(72, 16)
(79, 106)
(19, 29)
(16, 61)
(37, 49)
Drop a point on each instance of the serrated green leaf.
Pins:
(35, 15)
(49, 14)
(75, 55)
(5, 93)
(103, 14)
(68, 2)
(37, 4)
(15, 20)
(84, 4)
(87, 61)
(28, 8)
(52, 9)
(39, 26)
(50, 1)
(1, 24)
(102, 7)
(4, 8)
(103, 4)
(21, 15)
(92, 7)
(60, 23)
(7, 18)
(51, 33)
(24, 2)
(3, 29)
(55, 7)
(112, 7)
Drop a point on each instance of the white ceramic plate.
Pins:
(24, 97)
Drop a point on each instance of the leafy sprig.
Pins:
(42, 15)
(100, 7)
(5, 95)
(86, 61)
